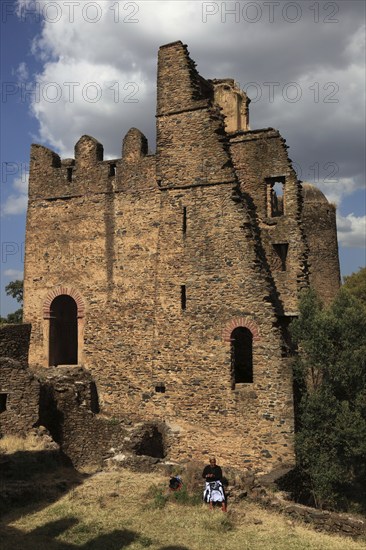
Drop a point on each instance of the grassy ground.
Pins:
(10, 444)
(118, 510)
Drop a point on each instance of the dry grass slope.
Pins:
(117, 510)
(10, 444)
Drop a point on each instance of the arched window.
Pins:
(241, 356)
(63, 342)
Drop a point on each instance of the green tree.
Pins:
(15, 317)
(356, 284)
(331, 370)
(14, 289)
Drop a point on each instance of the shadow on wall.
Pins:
(149, 441)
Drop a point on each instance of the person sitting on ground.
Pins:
(214, 490)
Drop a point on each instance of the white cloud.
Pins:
(351, 230)
(21, 184)
(116, 49)
(17, 203)
(79, 97)
(14, 273)
(336, 190)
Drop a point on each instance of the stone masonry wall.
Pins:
(206, 245)
(226, 286)
(164, 256)
(19, 398)
(14, 341)
(69, 410)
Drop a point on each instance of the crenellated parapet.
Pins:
(45, 170)
(52, 178)
(134, 146)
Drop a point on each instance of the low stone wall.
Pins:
(14, 341)
(69, 410)
(19, 398)
(65, 401)
(320, 520)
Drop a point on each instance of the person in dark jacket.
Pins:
(213, 472)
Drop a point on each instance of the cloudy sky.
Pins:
(78, 67)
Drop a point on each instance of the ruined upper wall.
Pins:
(192, 146)
(264, 170)
(179, 85)
(234, 103)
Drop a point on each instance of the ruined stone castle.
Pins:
(172, 277)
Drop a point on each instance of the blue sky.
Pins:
(93, 66)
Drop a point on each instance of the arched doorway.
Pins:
(241, 356)
(63, 341)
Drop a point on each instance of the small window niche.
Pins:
(275, 196)
(184, 221)
(112, 170)
(183, 297)
(280, 256)
(94, 399)
(69, 174)
(241, 356)
(160, 387)
(3, 400)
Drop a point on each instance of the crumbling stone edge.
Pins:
(320, 520)
(261, 490)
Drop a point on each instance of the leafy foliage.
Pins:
(356, 284)
(331, 370)
(15, 290)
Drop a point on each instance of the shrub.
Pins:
(330, 371)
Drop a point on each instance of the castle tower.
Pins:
(320, 228)
(172, 277)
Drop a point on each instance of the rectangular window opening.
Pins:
(3, 400)
(275, 196)
(184, 220)
(160, 387)
(112, 170)
(69, 175)
(281, 250)
(183, 296)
